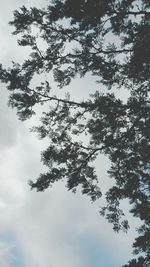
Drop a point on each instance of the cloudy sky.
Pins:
(54, 228)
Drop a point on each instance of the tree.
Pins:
(111, 41)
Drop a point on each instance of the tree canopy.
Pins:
(109, 40)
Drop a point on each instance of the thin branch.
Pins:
(99, 51)
(52, 98)
(135, 13)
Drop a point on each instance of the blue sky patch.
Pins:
(14, 258)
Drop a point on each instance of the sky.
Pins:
(52, 228)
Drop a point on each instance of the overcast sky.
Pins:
(55, 228)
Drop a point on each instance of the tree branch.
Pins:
(52, 98)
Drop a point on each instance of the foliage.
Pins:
(111, 41)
